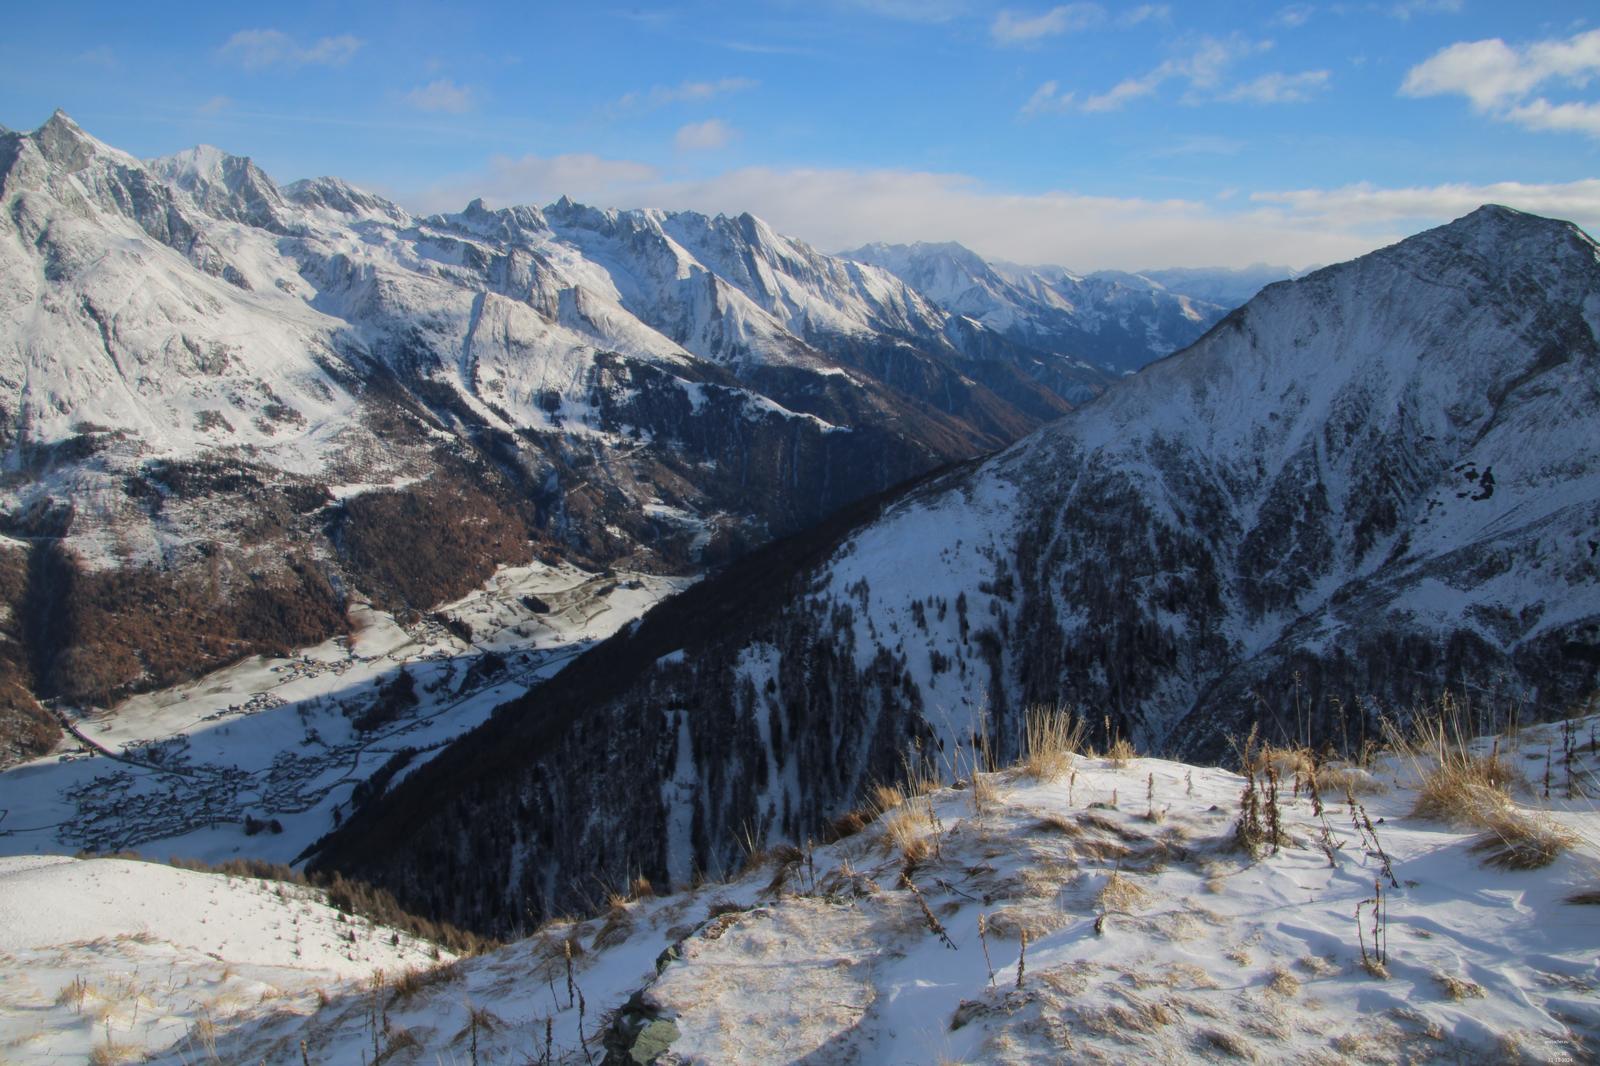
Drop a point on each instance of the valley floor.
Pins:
(259, 759)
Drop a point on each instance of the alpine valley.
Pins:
(504, 559)
(1367, 486)
(229, 409)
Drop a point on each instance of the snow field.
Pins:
(105, 960)
(1105, 916)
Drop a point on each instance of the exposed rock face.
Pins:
(1364, 488)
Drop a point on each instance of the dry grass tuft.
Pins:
(1348, 780)
(1056, 823)
(112, 1053)
(412, 981)
(1518, 840)
(885, 798)
(1013, 923)
(983, 793)
(1458, 988)
(1231, 1044)
(902, 833)
(1122, 893)
(847, 825)
(1052, 738)
(1121, 753)
(1456, 785)
(1316, 965)
(1283, 983)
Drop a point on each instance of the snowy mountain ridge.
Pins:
(1125, 319)
(203, 375)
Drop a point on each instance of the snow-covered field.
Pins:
(179, 772)
(1149, 937)
(103, 960)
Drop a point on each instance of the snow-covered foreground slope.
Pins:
(262, 758)
(105, 960)
(1149, 936)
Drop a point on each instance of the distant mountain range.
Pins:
(1365, 488)
(229, 407)
(1120, 321)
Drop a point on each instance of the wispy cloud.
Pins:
(1406, 9)
(841, 208)
(103, 56)
(1199, 144)
(1293, 16)
(911, 10)
(684, 92)
(533, 179)
(214, 106)
(442, 96)
(1011, 28)
(1203, 68)
(1501, 80)
(1278, 88)
(1365, 204)
(703, 136)
(1048, 99)
(259, 49)
(1138, 16)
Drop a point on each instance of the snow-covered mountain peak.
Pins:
(1121, 321)
(224, 186)
(65, 144)
(340, 198)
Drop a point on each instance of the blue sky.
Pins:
(1089, 134)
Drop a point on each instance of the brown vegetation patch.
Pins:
(429, 542)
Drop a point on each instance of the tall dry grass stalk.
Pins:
(1053, 736)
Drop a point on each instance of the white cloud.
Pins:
(1145, 13)
(1048, 99)
(1199, 144)
(103, 56)
(442, 95)
(1293, 16)
(1569, 117)
(1279, 88)
(1204, 67)
(685, 92)
(215, 106)
(1407, 8)
(1128, 89)
(1364, 204)
(838, 208)
(1011, 28)
(259, 49)
(532, 179)
(911, 10)
(704, 136)
(1500, 79)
